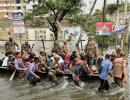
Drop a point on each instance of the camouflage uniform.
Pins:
(90, 52)
(10, 46)
(25, 47)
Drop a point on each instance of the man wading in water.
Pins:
(105, 69)
(120, 70)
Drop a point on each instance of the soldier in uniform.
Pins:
(91, 52)
(10, 45)
(25, 47)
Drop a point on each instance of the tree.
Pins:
(54, 11)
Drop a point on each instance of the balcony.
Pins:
(8, 5)
(10, 11)
(6, 0)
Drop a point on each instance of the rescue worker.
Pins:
(25, 47)
(91, 52)
(10, 45)
(120, 70)
(105, 70)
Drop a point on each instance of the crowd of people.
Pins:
(27, 64)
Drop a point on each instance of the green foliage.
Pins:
(53, 10)
(111, 8)
(88, 24)
(105, 41)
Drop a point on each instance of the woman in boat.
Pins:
(19, 66)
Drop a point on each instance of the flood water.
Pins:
(46, 90)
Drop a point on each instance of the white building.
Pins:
(7, 7)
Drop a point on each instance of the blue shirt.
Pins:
(18, 63)
(106, 66)
(31, 68)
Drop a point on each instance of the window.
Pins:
(17, 1)
(18, 8)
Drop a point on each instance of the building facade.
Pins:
(7, 7)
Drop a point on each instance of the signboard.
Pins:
(74, 33)
(17, 16)
(18, 24)
(104, 28)
(18, 27)
(120, 29)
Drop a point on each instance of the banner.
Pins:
(104, 28)
(18, 27)
(18, 22)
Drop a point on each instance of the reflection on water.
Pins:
(46, 90)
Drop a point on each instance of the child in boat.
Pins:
(31, 76)
(19, 66)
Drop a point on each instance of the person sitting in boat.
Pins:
(56, 68)
(78, 67)
(32, 55)
(56, 48)
(42, 68)
(31, 76)
(10, 63)
(5, 60)
(26, 62)
(59, 62)
(86, 68)
(67, 60)
(73, 56)
(64, 49)
(42, 56)
(19, 66)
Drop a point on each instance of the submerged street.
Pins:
(21, 90)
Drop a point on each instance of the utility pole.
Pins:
(117, 22)
(104, 11)
(125, 16)
(94, 3)
(103, 20)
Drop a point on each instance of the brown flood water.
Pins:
(21, 90)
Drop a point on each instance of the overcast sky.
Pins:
(99, 4)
